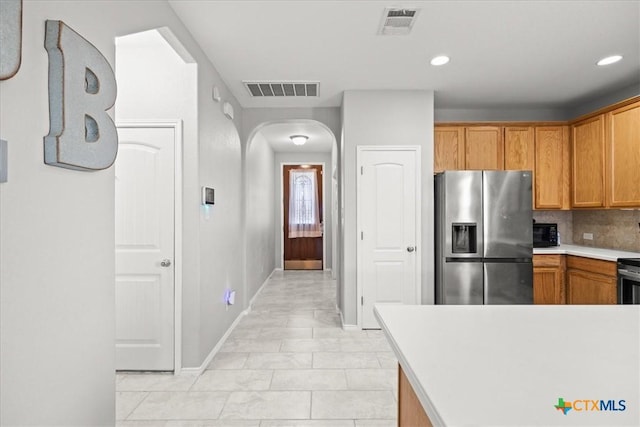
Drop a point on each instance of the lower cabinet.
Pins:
(549, 279)
(410, 410)
(591, 281)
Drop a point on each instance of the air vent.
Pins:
(286, 89)
(397, 21)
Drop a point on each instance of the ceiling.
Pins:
(504, 54)
(320, 139)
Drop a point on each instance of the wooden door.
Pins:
(623, 150)
(587, 149)
(552, 167)
(302, 253)
(144, 224)
(519, 149)
(388, 227)
(484, 148)
(448, 148)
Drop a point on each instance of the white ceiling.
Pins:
(503, 53)
(320, 139)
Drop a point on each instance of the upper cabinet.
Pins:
(519, 148)
(448, 148)
(484, 148)
(551, 167)
(587, 150)
(606, 159)
(622, 143)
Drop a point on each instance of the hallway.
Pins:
(287, 363)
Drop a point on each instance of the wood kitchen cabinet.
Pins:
(519, 148)
(623, 156)
(448, 148)
(484, 148)
(552, 164)
(410, 410)
(591, 281)
(549, 279)
(588, 163)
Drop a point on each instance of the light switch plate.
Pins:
(587, 236)
(3, 160)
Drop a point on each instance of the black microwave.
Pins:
(545, 235)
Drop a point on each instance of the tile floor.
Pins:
(287, 363)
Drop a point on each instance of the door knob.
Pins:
(165, 263)
(411, 248)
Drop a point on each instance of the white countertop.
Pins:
(586, 251)
(508, 365)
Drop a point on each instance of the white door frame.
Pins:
(324, 212)
(177, 228)
(418, 264)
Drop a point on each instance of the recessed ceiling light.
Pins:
(439, 60)
(299, 139)
(609, 60)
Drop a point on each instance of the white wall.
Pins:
(391, 117)
(260, 215)
(57, 232)
(302, 158)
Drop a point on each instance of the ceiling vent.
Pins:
(396, 22)
(285, 89)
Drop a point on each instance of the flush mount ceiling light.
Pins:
(439, 60)
(299, 139)
(609, 60)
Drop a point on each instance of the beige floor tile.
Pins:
(376, 423)
(341, 360)
(265, 405)
(281, 333)
(251, 346)
(307, 423)
(127, 401)
(228, 361)
(279, 361)
(372, 379)
(353, 405)
(190, 423)
(309, 379)
(387, 360)
(154, 382)
(233, 380)
(180, 406)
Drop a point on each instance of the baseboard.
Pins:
(253, 299)
(347, 327)
(200, 369)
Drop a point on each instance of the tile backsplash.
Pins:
(614, 229)
(562, 218)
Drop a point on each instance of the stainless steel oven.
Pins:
(629, 281)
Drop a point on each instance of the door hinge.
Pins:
(361, 170)
(361, 300)
(362, 235)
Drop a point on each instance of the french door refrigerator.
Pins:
(484, 237)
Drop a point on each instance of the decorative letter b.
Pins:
(82, 87)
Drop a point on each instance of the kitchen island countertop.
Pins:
(586, 251)
(509, 365)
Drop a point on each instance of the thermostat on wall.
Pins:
(208, 196)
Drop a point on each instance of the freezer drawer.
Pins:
(508, 283)
(461, 283)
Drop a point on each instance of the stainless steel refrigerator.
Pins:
(484, 237)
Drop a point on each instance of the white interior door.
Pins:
(388, 217)
(145, 248)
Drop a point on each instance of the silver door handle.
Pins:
(165, 263)
(411, 248)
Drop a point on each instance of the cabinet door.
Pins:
(589, 288)
(551, 190)
(548, 279)
(519, 148)
(623, 151)
(587, 150)
(448, 148)
(484, 148)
